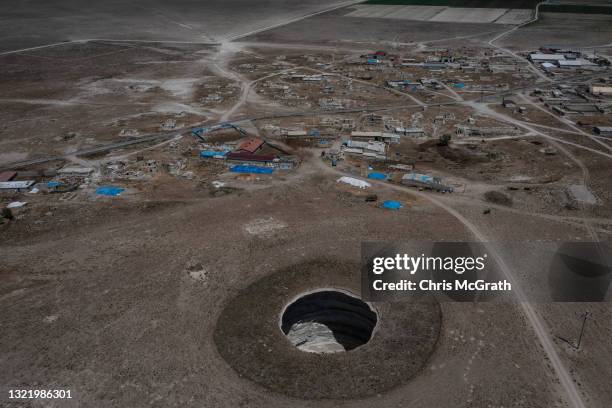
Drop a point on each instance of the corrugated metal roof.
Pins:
(13, 185)
(7, 175)
(409, 130)
(355, 143)
(366, 134)
(547, 57)
(574, 63)
(251, 144)
(424, 178)
(246, 156)
(376, 147)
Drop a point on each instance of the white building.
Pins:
(416, 132)
(575, 63)
(377, 136)
(546, 57)
(601, 90)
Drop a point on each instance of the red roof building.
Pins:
(7, 175)
(250, 145)
(257, 151)
(246, 156)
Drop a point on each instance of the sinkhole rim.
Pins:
(248, 338)
(343, 292)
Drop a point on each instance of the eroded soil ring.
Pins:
(248, 337)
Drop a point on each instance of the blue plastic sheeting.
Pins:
(459, 85)
(109, 191)
(391, 205)
(53, 184)
(377, 176)
(419, 177)
(213, 153)
(251, 169)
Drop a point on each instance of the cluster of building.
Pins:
(253, 151)
(65, 179)
(592, 100)
(466, 60)
(370, 149)
(551, 59)
(374, 144)
(217, 93)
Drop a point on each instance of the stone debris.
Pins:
(314, 337)
(264, 226)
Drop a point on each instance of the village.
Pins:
(192, 196)
(402, 118)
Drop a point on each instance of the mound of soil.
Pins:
(499, 198)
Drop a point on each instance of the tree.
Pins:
(444, 140)
(6, 214)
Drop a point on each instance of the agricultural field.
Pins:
(515, 4)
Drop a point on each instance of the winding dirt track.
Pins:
(536, 323)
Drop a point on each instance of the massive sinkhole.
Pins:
(328, 321)
(389, 342)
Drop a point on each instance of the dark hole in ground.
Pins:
(328, 321)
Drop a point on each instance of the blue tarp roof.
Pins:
(377, 176)
(109, 191)
(419, 177)
(391, 205)
(459, 85)
(213, 153)
(251, 169)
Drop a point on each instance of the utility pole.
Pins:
(586, 316)
(577, 346)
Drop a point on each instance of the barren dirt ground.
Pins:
(119, 299)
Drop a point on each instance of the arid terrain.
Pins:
(185, 163)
